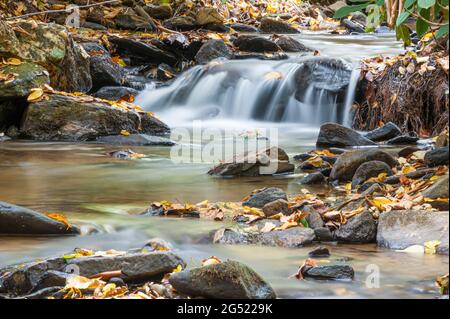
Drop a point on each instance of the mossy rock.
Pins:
(28, 76)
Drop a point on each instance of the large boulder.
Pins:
(20, 220)
(384, 133)
(436, 157)
(269, 25)
(265, 196)
(255, 43)
(368, 170)
(72, 118)
(227, 280)
(266, 162)
(336, 135)
(51, 46)
(24, 77)
(361, 228)
(345, 167)
(213, 49)
(104, 71)
(401, 229)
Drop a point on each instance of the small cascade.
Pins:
(310, 90)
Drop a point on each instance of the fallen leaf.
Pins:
(35, 94)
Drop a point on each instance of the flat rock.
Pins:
(347, 164)
(336, 135)
(384, 133)
(330, 272)
(401, 229)
(26, 77)
(227, 280)
(20, 220)
(403, 140)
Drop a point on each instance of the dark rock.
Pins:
(51, 278)
(275, 207)
(401, 229)
(117, 281)
(255, 43)
(313, 179)
(43, 293)
(269, 25)
(11, 113)
(352, 26)
(180, 23)
(347, 164)
(314, 219)
(436, 157)
(407, 151)
(267, 162)
(26, 77)
(275, 56)
(240, 27)
(323, 234)
(212, 49)
(403, 140)
(319, 252)
(142, 53)
(326, 171)
(135, 140)
(438, 190)
(384, 133)
(330, 272)
(114, 93)
(265, 196)
(333, 134)
(289, 44)
(20, 220)
(104, 71)
(368, 170)
(163, 11)
(303, 157)
(153, 126)
(329, 159)
(361, 228)
(227, 280)
(164, 72)
(367, 185)
(392, 180)
(93, 26)
(127, 19)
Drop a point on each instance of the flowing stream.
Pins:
(81, 181)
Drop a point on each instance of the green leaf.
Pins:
(304, 222)
(444, 3)
(421, 25)
(425, 4)
(380, 3)
(442, 31)
(345, 11)
(403, 34)
(409, 3)
(401, 18)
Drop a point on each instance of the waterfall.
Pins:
(310, 90)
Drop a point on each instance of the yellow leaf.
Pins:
(13, 61)
(35, 94)
(61, 218)
(408, 169)
(124, 132)
(178, 269)
(213, 260)
(431, 246)
(286, 226)
(379, 202)
(253, 211)
(80, 282)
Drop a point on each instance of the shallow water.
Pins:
(81, 181)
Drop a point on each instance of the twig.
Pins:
(61, 10)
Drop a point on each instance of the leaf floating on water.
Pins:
(60, 218)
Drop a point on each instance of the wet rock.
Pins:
(267, 162)
(142, 53)
(227, 280)
(93, 26)
(407, 151)
(401, 229)
(269, 25)
(384, 133)
(104, 71)
(289, 44)
(114, 93)
(436, 157)
(438, 190)
(324, 76)
(51, 46)
(163, 11)
(80, 119)
(403, 140)
(367, 186)
(330, 272)
(213, 49)
(209, 15)
(127, 19)
(240, 27)
(303, 157)
(51, 278)
(180, 23)
(361, 228)
(333, 134)
(368, 170)
(20, 220)
(265, 196)
(314, 219)
(326, 171)
(323, 234)
(345, 167)
(353, 26)
(26, 77)
(255, 43)
(119, 282)
(275, 207)
(313, 179)
(153, 126)
(135, 140)
(319, 252)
